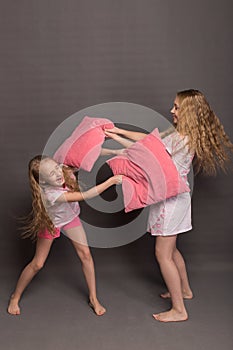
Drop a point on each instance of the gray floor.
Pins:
(55, 313)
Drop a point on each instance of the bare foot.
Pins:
(97, 307)
(186, 295)
(171, 316)
(13, 307)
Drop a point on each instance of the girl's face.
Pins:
(175, 110)
(51, 173)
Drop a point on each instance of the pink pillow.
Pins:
(83, 147)
(150, 174)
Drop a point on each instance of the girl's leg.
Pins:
(165, 247)
(185, 286)
(42, 250)
(78, 238)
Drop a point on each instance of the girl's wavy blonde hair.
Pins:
(205, 132)
(38, 220)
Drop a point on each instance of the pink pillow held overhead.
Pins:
(150, 176)
(83, 147)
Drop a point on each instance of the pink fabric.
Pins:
(47, 235)
(83, 147)
(150, 174)
(74, 223)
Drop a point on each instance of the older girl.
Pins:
(198, 133)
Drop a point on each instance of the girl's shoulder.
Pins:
(173, 139)
(177, 144)
(53, 189)
(51, 194)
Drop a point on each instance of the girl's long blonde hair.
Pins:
(205, 132)
(38, 220)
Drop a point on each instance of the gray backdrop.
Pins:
(58, 57)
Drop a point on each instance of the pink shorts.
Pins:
(47, 235)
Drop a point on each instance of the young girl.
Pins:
(55, 197)
(198, 132)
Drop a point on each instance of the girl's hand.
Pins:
(117, 179)
(132, 135)
(123, 141)
(112, 135)
(118, 152)
(114, 130)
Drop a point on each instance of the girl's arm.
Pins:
(132, 135)
(111, 152)
(124, 142)
(92, 192)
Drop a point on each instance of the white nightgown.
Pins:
(173, 215)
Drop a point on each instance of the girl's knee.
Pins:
(85, 255)
(37, 265)
(162, 255)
